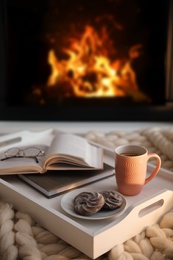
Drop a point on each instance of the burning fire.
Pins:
(88, 70)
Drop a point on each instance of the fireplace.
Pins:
(86, 60)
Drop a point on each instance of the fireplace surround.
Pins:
(108, 60)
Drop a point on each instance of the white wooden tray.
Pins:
(93, 238)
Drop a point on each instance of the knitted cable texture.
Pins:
(156, 140)
(22, 238)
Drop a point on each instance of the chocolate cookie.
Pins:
(88, 203)
(112, 199)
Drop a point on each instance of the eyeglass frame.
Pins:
(17, 155)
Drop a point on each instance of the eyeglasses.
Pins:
(29, 152)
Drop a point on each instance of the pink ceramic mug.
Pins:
(131, 168)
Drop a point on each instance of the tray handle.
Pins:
(159, 201)
(135, 219)
(149, 211)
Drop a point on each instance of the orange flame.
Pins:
(88, 71)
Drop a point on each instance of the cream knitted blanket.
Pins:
(22, 238)
(156, 140)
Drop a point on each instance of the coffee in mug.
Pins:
(131, 168)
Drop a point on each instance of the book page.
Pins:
(69, 148)
(26, 139)
(94, 156)
(13, 164)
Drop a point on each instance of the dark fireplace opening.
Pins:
(85, 60)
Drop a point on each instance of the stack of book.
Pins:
(61, 162)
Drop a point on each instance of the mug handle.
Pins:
(151, 155)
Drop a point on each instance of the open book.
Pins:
(65, 152)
